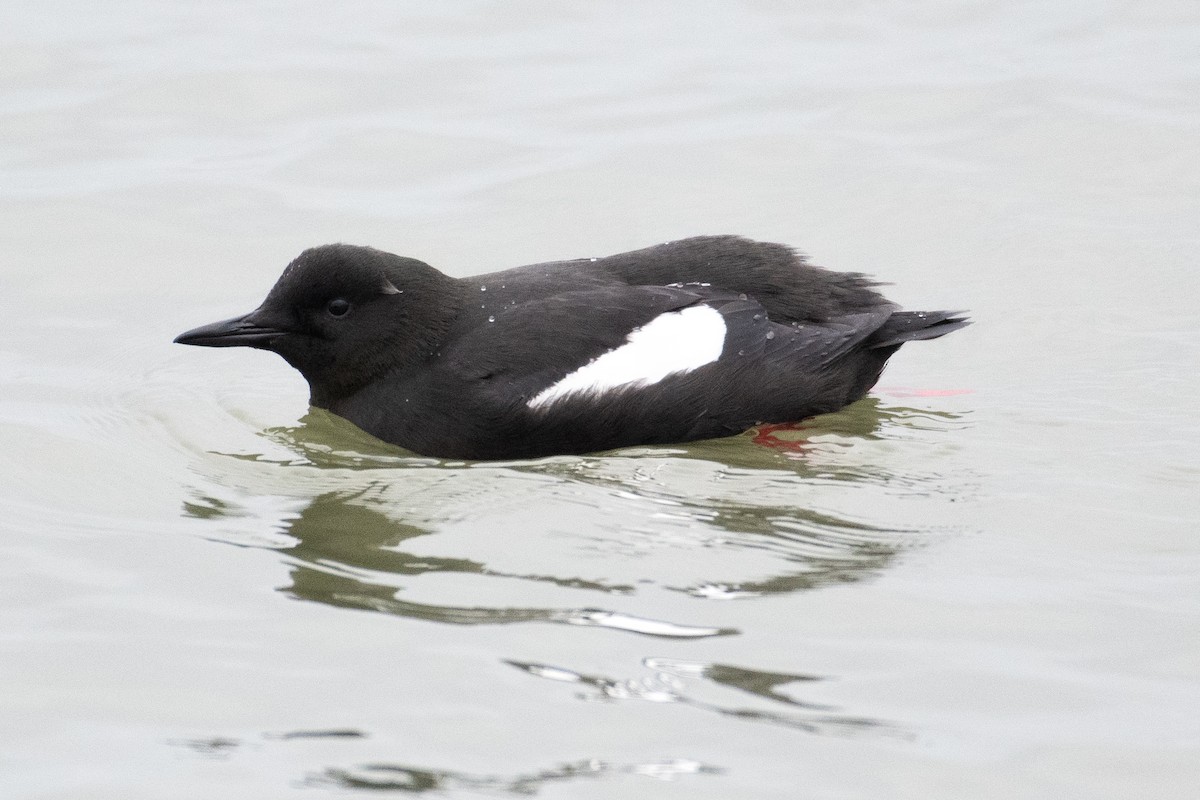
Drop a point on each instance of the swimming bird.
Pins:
(692, 339)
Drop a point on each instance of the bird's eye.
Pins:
(338, 307)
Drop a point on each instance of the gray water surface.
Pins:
(982, 581)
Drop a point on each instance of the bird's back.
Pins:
(780, 279)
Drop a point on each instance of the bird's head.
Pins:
(343, 315)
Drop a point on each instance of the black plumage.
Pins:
(451, 367)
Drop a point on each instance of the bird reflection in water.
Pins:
(348, 548)
(352, 548)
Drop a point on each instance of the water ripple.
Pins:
(692, 683)
(405, 778)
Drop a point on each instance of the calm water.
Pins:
(983, 581)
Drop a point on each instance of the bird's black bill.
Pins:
(243, 331)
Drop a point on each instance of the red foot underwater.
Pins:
(765, 435)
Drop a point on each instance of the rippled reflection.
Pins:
(351, 556)
(361, 522)
(683, 683)
(402, 778)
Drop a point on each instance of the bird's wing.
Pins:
(625, 336)
(525, 348)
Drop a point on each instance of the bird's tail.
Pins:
(912, 326)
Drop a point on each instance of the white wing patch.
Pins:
(679, 341)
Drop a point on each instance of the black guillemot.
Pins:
(692, 339)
